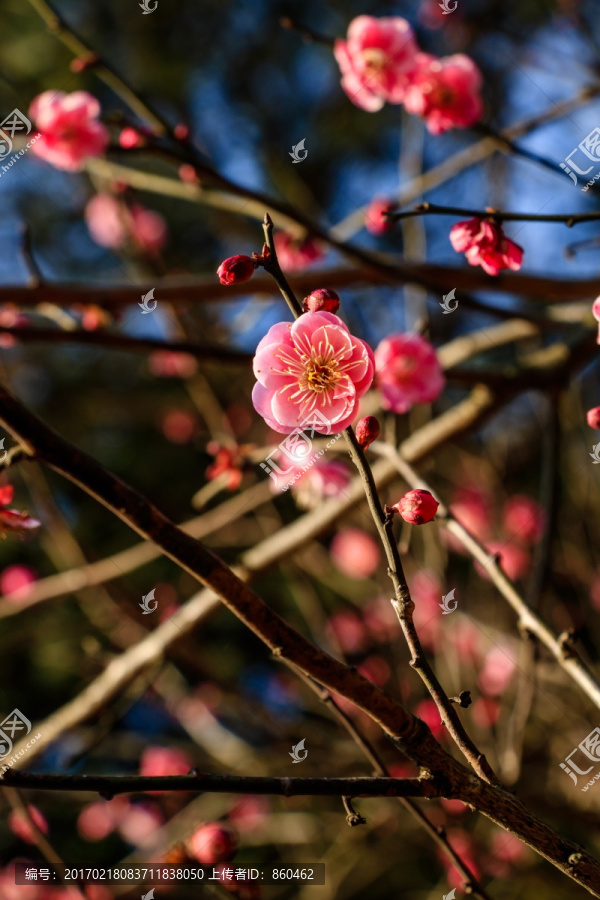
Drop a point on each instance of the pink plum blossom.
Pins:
(295, 254)
(16, 581)
(355, 553)
(464, 845)
(172, 364)
(228, 464)
(113, 224)
(69, 128)
(157, 761)
(497, 672)
(445, 92)
(484, 244)
(311, 372)
(408, 372)
(472, 508)
(376, 60)
(514, 560)
(13, 520)
(593, 417)
(140, 824)
(375, 220)
(596, 314)
(212, 843)
(430, 714)
(348, 629)
(426, 591)
(524, 519)
(20, 824)
(324, 479)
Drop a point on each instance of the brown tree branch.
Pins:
(527, 619)
(410, 734)
(108, 786)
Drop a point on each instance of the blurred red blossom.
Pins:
(113, 224)
(593, 417)
(228, 464)
(497, 672)
(172, 364)
(484, 244)
(375, 220)
(15, 582)
(524, 519)
(349, 631)
(157, 761)
(407, 372)
(69, 128)
(212, 843)
(514, 560)
(445, 92)
(12, 520)
(376, 60)
(596, 314)
(20, 824)
(295, 254)
(355, 553)
(430, 714)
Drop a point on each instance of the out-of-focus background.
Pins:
(250, 89)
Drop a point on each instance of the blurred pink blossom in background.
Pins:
(355, 553)
(69, 128)
(376, 60)
(445, 92)
(407, 372)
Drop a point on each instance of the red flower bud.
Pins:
(129, 138)
(212, 843)
(367, 431)
(236, 269)
(417, 507)
(593, 417)
(188, 174)
(181, 131)
(84, 63)
(322, 300)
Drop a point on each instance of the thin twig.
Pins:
(433, 209)
(403, 604)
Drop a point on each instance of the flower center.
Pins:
(375, 61)
(321, 376)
